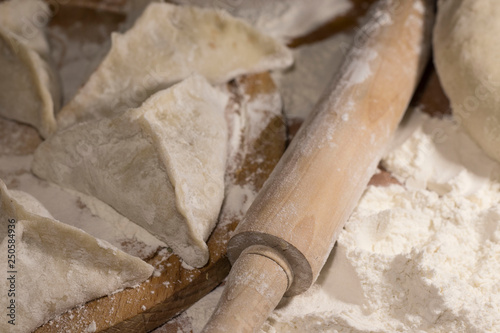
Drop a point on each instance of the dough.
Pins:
(160, 165)
(281, 19)
(167, 44)
(57, 266)
(29, 86)
(467, 54)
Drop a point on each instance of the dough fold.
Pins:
(55, 266)
(160, 165)
(166, 45)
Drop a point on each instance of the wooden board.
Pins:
(174, 286)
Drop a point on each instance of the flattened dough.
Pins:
(161, 165)
(281, 19)
(29, 86)
(58, 266)
(166, 45)
(467, 58)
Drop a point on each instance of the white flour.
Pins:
(424, 258)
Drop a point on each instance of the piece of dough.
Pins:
(281, 19)
(56, 267)
(167, 44)
(29, 86)
(161, 165)
(467, 55)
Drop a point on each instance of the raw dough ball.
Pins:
(467, 55)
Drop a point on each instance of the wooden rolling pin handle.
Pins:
(304, 204)
(254, 293)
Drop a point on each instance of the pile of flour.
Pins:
(423, 257)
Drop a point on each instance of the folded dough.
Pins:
(57, 266)
(29, 86)
(167, 44)
(161, 165)
(281, 19)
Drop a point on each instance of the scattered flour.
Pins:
(419, 258)
(458, 166)
(92, 327)
(359, 69)
(238, 200)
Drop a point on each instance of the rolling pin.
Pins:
(287, 234)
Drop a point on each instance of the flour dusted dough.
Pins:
(29, 87)
(467, 54)
(167, 44)
(58, 266)
(161, 165)
(281, 19)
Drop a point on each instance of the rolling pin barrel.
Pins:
(290, 229)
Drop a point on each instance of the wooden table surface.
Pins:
(176, 288)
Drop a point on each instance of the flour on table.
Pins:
(422, 258)
(92, 327)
